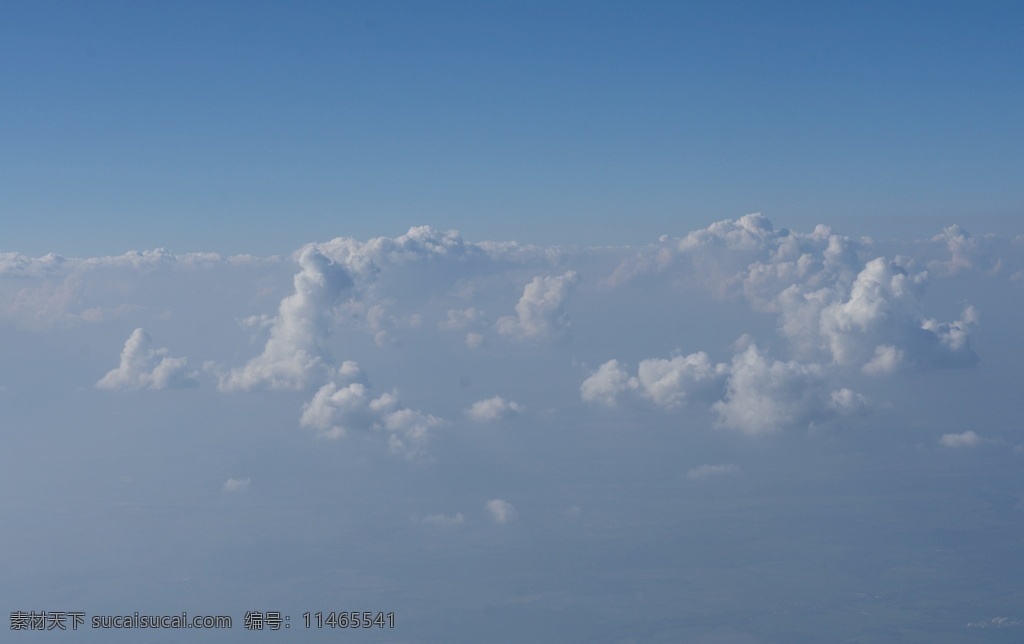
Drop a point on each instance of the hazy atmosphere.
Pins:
(513, 322)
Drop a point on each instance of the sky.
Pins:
(257, 127)
(546, 322)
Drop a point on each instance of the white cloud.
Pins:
(666, 383)
(427, 245)
(294, 355)
(540, 312)
(832, 305)
(606, 383)
(765, 395)
(966, 439)
(144, 368)
(237, 485)
(493, 409)
(710, 471)
(474, 340)
(669, 383)
(968, 252)
(756, 394)
(500, 511)
(345, 404)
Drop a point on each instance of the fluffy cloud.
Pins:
(966, 439)
(142, 367)
(666, 383)
(540, 311)
(345, 404)
(876, 327)
(756, 393)
(968, 252)
(427, 245)
(294, 356)
(710, 471)
(493, 409)
(764, 395)
(669, 383)
(500, 511)
(606, 383)
(834, 301)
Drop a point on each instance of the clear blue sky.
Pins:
(255, 127)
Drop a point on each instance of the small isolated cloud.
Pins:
(145, 368)
(493, 409)
(294, 354)
(474, 340)
(540, 312)
(710, 471)
(444, 519)
(966, 439)
(345, 404)
(500, 511)
(236, 485)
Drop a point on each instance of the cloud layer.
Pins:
(427, 306)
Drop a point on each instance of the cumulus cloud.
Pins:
(834, 300)
(474, 340)
(142, 367)
(710, 471)
(345, 404)
(966, 439)
(666, 383)
(764, 395)
(427, 245)
(540, 312)
(293, 356)
(754, 394)
(606, 383)
(236, 485)
(500, 511)
(669, 383)
(967, 252)
(493, 409)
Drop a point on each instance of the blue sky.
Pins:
(663, 322)
(198, 127)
